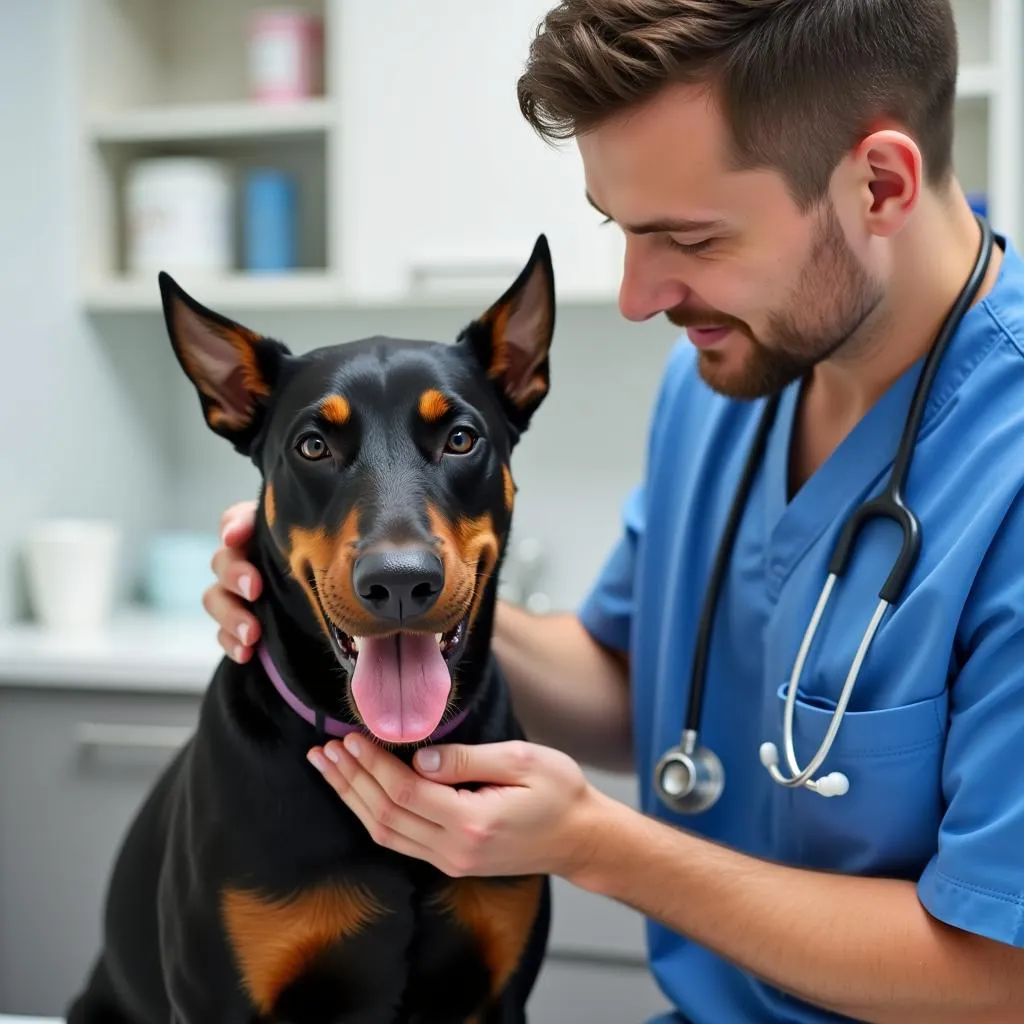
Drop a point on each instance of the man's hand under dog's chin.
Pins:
(536, 813)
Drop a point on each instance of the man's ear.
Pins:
(512, 338)
(233, 369)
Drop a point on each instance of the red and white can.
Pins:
(285, 55)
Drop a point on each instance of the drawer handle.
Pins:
(150, 737)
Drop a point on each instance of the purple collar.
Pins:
(332, 726)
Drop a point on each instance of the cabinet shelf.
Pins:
(196, 122)
(299, 290)
(295, 289)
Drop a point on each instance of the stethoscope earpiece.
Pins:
(833, 784)
(769, 754)
(689, 779)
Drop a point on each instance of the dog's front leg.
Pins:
(201, 981)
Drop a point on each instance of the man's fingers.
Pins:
(392, 840)
(235, 574)
(502, 763)
(237, 624)
(236, 651)
(230, 565)
(238, 522)
(438, 806)
(384, 819)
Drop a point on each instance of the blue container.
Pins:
(269, 220)
(176, 570)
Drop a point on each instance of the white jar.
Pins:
(179, 215)
(72, 565)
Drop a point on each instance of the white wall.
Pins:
(82, 420)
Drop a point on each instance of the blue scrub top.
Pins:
(933, 737)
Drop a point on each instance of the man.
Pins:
(782, 172)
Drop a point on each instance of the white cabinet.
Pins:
(989, 130)
(171, 79)
(420, 181)
(443, 183)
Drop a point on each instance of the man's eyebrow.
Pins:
(669, 224)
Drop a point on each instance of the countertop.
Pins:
(139, 650)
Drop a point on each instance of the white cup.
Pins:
(72, 572)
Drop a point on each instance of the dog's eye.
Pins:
(460, 441)
(313, 447)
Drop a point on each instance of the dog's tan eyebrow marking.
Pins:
(433, 405)
(269, 505)
(335, 409)
(509, 487)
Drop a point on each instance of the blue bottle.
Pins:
(269, 221)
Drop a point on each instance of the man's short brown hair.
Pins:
(800, 81)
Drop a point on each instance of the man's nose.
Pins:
(647, 287)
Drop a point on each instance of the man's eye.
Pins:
(313, 447)
(691, 248)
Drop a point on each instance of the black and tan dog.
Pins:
(245, 890)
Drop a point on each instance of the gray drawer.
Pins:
(588, 922)
(74, 766)
(594, 992)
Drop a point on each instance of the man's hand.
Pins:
(237, 581)
(537, 814)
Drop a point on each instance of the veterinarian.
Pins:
(782, 173)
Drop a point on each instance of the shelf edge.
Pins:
(213, 122)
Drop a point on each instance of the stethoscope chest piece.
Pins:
(689, 779)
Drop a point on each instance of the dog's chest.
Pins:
(453, 942)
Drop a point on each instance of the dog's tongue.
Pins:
(401, 685)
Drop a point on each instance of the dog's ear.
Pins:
(233, 369)
(512, 338)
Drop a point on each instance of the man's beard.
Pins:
(810, 333)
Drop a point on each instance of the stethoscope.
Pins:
(689, 778)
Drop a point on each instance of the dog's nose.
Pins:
(399, 583)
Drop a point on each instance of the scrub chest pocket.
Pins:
(888, 821)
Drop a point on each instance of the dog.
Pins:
(245, 890)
